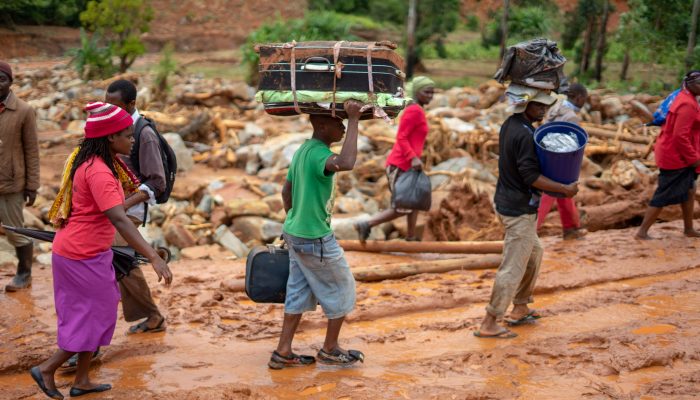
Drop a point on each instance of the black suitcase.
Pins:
(266, 274)
(316, 64)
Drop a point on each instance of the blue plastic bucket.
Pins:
(560, 167)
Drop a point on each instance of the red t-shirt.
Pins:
(413, 129)
(88, 231)
(678, 145)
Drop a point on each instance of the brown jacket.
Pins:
(19, 148)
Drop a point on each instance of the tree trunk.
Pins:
(587, 45)
(692, 35)
(402, 270)
(380, 246)
(625, 65)
(504, 28)
(411, 58)
(602, 36)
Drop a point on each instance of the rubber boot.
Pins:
(23, 279)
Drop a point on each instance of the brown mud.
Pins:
(620, 321)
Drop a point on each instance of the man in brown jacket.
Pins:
(19, 172)
(137, 302)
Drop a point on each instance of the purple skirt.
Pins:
(86, 296)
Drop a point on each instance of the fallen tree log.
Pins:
(608, 134)
(380, 246)
(402, 270)
(399, 270)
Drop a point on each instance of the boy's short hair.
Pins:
(126, 89)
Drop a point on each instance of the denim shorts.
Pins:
(318, 274)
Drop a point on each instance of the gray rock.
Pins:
(270, 152)
(45, 125)
(270, 188)
(227, 239)
(183, 154)
(206, 204)
(364, 144)
(251, 130)
(257, 229)
(44, 258)
(458, 165)
(344, 229)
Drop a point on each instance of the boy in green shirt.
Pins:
(318, 271)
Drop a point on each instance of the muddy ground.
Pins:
(620, 321)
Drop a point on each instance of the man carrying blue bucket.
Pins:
(517, 199)
(565, 110)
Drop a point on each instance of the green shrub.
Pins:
(166, 67)
(90, 60)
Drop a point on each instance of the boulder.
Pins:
(611, 107)
(251, 130)
(75, 126)
(271, 151)
(8, 258)
(344, 229)
(275, 203)
(177, 235)
(458, 125)
(31, 221)
(257, 229)
(240, 208)
(182, 153)
(271, 188)
(458, 165)
(44, 258)
(348, 205)
(226, 238)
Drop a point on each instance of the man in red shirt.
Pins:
(677, 155)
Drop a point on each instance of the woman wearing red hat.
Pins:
(88, 208)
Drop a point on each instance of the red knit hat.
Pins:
(5, 67)
(105, 119)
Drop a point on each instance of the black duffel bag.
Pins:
(412, 191)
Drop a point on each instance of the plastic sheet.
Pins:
(536, 63)
(560, 142)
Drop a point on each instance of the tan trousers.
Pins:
(11, 207)
(137, 302)
(522, 256)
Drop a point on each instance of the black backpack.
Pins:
(166, 154)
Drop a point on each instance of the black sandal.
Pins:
(337, 357)
(39, 379)
(142, 327)
(278, 361)
(75, 392)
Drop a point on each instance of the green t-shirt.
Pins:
(313, 192)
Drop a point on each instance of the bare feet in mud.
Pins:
(691, 233)
(643, 236)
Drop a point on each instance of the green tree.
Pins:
(39, 12)
(121, 23)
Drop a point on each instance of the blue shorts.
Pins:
(318, 274)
